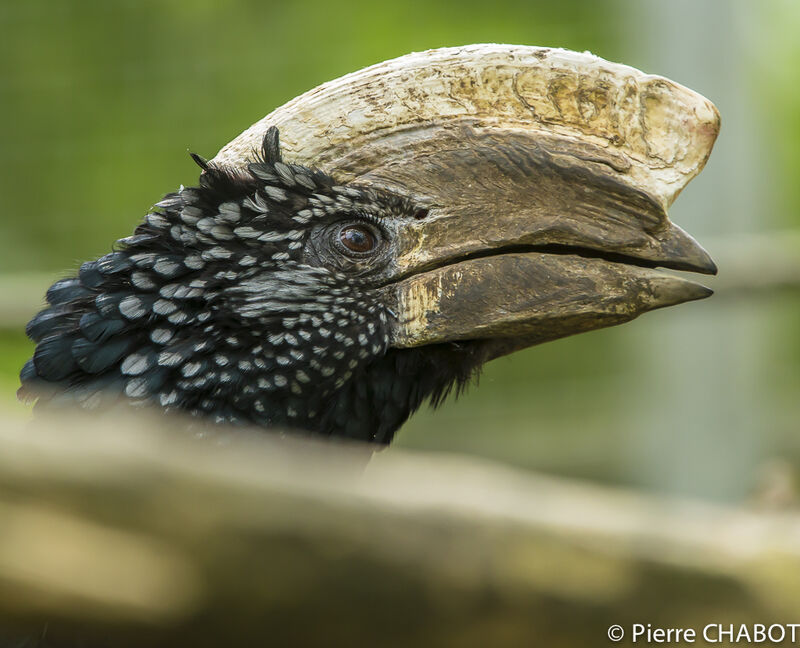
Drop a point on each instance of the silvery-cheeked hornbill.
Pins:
(372, 243)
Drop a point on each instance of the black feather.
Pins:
(96, 357)
(199, 161)
(90, 275)
(107, 304)
(53, 358)
(114, 263)
(28, 372)
(153, 380)
(271, 146)
(48, 322)
(97, 328)
(66, 290)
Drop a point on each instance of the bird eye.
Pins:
(358, 238)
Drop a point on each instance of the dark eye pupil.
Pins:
(357, 239)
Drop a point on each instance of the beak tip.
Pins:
(684, 253)
(703, 292)
(706, 265)
(669, 290)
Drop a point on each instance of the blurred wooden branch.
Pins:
(751, 263)
(129, 532)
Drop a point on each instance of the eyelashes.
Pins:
(366, 217)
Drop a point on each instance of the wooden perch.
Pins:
(125, 532)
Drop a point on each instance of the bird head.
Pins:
(373, 243)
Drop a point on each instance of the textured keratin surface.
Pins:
(657, 131)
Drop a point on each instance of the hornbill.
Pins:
(372, 243)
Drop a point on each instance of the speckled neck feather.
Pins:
(213, 307)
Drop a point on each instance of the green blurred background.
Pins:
(100, 100)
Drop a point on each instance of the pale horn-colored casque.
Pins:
(656, 132)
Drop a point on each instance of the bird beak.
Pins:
(529, 298)
(531, 238)
(543, 179)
